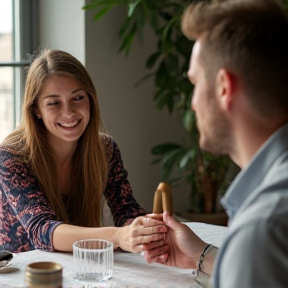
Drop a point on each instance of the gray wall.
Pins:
(62, 26)
(129, 113)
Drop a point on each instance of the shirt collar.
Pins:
(250, 177)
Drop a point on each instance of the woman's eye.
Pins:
(53, 103)
(78, 98)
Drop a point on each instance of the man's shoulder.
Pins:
(267, 209)
(269, 200)
(277, 173)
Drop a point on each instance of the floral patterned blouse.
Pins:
(27, 221)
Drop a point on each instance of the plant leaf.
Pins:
(143, 79)
(101, 13)
(167, 166)
(164, 148)
(168, 28)
(124, 27)
(126, 44)
(187, 157)
(132, 6)
(152, 59)
(188, 120)
(169, 160)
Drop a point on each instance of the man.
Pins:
(239, 67)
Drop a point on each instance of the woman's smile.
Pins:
(70, 124)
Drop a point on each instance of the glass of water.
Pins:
(93, 261)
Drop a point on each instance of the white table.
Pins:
(130, 270)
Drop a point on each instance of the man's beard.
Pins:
(216, 139)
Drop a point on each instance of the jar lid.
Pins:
(43, 272)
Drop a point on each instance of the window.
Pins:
(18, 39)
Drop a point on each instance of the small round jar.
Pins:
(43, 274)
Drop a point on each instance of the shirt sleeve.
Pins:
(118, 192)
(256, 256)
(25, 206)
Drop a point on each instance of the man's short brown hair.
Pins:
(248, 38)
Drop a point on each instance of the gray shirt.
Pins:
(255, 251)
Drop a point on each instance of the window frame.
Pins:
(25, 37)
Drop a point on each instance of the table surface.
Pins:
(130, 270)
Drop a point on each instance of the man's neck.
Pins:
(250, 134)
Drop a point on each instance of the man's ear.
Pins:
(225, 88)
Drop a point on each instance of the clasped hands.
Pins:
(180, 246)
(163, 239)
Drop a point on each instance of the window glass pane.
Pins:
(6, 101)
(6, 73)
(6, 47)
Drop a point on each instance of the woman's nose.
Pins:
(68, 110)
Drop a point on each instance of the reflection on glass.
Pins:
(6, 101)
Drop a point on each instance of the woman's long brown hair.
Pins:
(90, 168)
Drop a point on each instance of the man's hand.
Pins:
(182, 246)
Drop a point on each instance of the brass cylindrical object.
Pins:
(157, 203)
(163, 199)
(43, 275)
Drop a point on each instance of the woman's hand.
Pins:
(141, 231)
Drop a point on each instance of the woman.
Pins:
(56, 167)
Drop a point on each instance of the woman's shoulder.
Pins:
(111, 148)
(13, 146)
(15, 170)
(108, 141)
(12, 154)
(9, 151)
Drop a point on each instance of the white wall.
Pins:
(129, 113)
(62, 26)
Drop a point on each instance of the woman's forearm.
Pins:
(65, 235)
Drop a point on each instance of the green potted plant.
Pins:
(206, 175)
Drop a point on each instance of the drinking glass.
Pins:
(93, 261)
